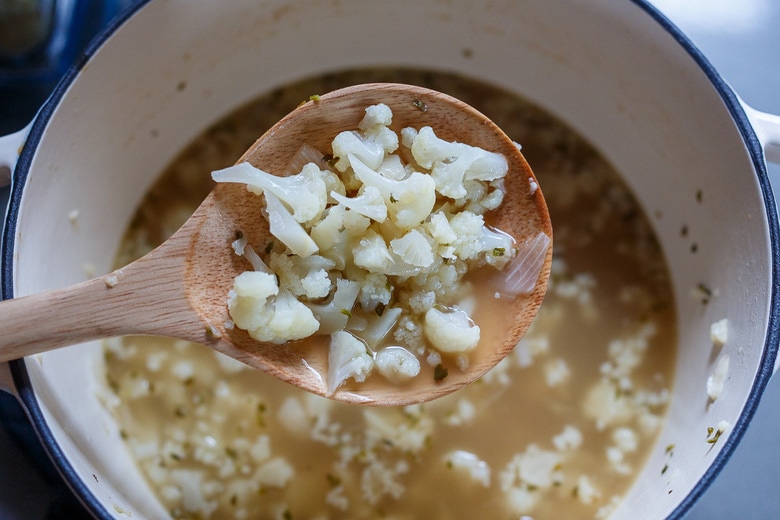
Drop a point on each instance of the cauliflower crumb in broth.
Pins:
(556, 430)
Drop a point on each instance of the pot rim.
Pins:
(21, 377)
(19, 374)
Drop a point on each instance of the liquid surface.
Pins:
(557, 430)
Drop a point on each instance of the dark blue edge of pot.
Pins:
(770, 351)
(18, 369)
(27, 395)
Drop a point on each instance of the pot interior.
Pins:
(606, 68)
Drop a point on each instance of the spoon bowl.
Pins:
(180, 288)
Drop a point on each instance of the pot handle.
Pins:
(767, 127)
(10, 148)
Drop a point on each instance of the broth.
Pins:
(557, 430)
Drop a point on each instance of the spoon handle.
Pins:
(145, 297)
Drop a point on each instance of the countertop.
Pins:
(741, 39)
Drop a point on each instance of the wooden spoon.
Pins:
(180, 288)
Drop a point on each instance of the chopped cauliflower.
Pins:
(304, 194)
(374, 249)
(452, 163)
(719, 332)
(451, 331)
(258, 306)
(717, 379)
(397, 364)
(478, 470)
(306, 277)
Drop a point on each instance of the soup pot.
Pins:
(616, 71)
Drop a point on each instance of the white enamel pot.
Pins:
(616, 71)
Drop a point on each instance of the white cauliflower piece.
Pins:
(325, 233)
(258, 306)
(409, 332)
(375, 290)
(451, 332)
(413, 249)
(473, 466)
(371, 253)
(375, 127)
(439, 228)
(307, 277)
(347, 358)
(409, 201)
(393, 168)
(717, 380)
(452, 163)
(305, 193)
(369, 203)
(719, 332)
(376, 140)
(475, 239)
(352, 143)
(397, 364)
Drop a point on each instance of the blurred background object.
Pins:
(39, 41)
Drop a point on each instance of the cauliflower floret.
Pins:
(375, 127)
(355, 224)
(307, 277)
(409, 201)
(409, 332)
(305, 193)
(371, 253)
(451, 163)
(481, 196)
(325, 233)
(369, 203)
(375, 290)
(347, 358)
(352, 143)
(451, 332)
(393, 168)
(475, 239)
(397, 364)
(258, 306)
(439, 228)
(478, 470)
(371, 147)
(413, 249)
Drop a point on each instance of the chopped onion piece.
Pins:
(379, 326)
(522, 273)
(333, 316)
(306, 154)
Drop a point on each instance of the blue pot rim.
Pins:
(21, 377)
